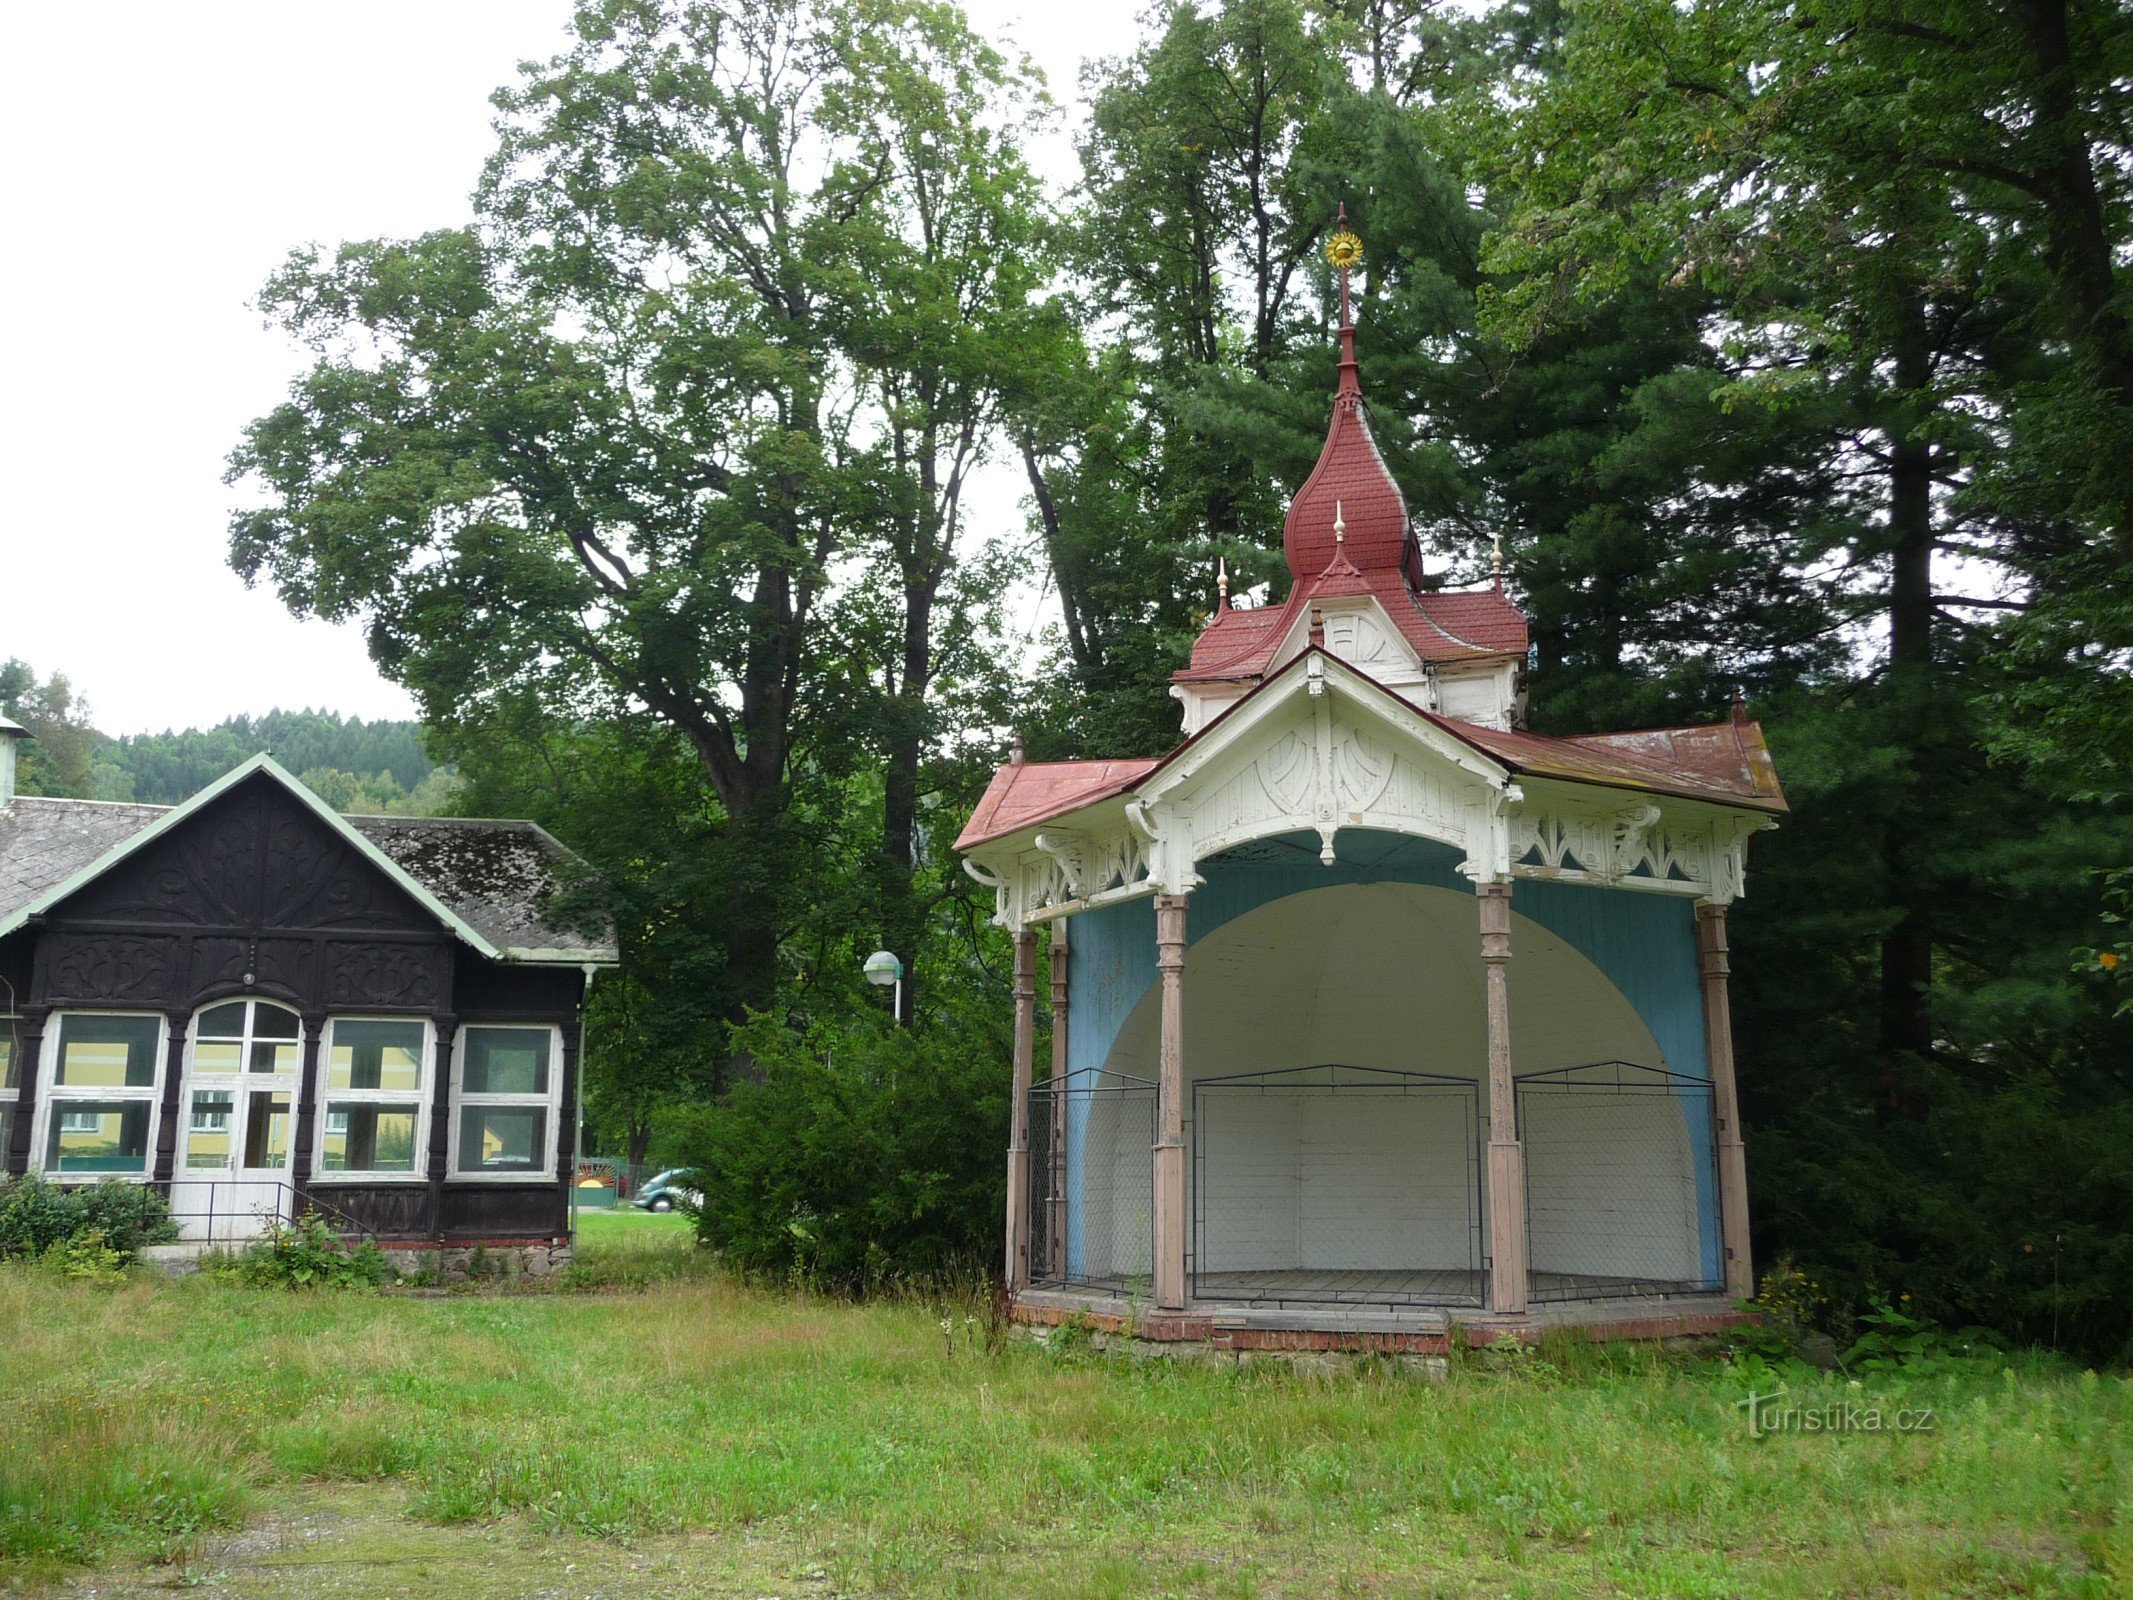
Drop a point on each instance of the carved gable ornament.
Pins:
(1322, 748)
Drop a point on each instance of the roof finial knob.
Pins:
(1318, 628)
(1340, 526)
(1496, 556)
(1016, 756)
(1344, 250)
(1221, 584)
(1740, 705)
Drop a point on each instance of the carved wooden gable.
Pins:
(253, 892)
(256, 858)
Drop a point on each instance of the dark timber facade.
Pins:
(263, 1008)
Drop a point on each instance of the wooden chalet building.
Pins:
(263, 1007)
(1373, 1011)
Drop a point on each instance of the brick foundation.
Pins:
(1183, 1332)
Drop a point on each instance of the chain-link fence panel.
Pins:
(1621, 1182)
(1337, 1185)
(1092, 1181)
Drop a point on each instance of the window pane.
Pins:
(375, 1055)
(225, 1021)
(7, 1056)
(271, 1022)
(502, 1138)
(217, 1055)
(98, 1136)
(363, 1138)
(506, 1061)
(269, 1055)
(108, 1052)
(207, 1130)
(266, 1131)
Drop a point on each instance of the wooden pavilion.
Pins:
(1383, 1012)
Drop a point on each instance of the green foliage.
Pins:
(1892, 1340)
(85, 1257)
(60, 757)
(113, 1215)
(308, 1254)
(857, 1159)
(352, 764)
(127, 1215)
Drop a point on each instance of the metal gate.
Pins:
(1621, 1182)
(1092, 1181)
(1337, 1185)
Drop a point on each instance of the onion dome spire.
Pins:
(1350, 472)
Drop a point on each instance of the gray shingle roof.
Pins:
(496, 876)
(45, 842)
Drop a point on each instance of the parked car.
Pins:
(666, 1190)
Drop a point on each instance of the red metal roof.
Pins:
(1441, 624)
(1727, 763)
(1352, 487)
(1373, 552)
(1026, 792)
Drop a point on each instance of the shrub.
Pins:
(306, 1254)
(83, 1255)
(859, 1159)
(36, 1215)
(128, 1215)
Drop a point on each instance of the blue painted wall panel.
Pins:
(1644, 943)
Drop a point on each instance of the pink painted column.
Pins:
(1018, 1110)
(1055, 1221)
(1170, 1106)
(1507, 1157)
(1715, 965)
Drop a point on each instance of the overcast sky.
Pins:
(162, 160)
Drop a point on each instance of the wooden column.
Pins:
(1713, 963)
(1018, 1110)
(1507, 1157)
(1170, 1106)
(1055, 1206)
(29, 1062)
(170, 1104)
(440, 1151)
(307, 1090)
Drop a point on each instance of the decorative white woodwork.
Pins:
(1327, 749)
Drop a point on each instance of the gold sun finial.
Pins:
(1344, 249)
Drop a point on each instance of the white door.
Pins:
(237, 1126)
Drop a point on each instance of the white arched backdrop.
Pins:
(1389, 976)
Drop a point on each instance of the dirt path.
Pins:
(359, 1542)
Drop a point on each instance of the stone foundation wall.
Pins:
(479, 1262)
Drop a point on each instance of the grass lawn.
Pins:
(683, 1435)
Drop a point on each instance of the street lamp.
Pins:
(883, 969)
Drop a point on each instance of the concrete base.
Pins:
(1346, 1329)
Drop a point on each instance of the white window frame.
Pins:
(54, 1096)
(239, 1080)
(420, 1098)
(552, 1101)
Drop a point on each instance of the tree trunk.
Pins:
(899, 806)
(1907, 948)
